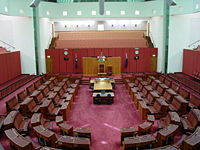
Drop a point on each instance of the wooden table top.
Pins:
(193, 139)
(168, 131)
(16, 138)
(103, 85)
(139, 140)
(92, 81)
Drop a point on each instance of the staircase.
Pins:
(150, 43)
(84, 82)
(119, 81)
(52, 44)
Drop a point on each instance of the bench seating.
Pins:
(49, 110)
(171, 118)
(38, 119)
(179, 105)
(15, 120)
(159, 108)
(194, 101)
(22, 95)
(45, 134)
(12, 104)
(192, 142)
(191, 120)
(18, 141)
(28, 106)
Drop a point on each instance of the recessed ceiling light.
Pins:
(197, 6)
(21, 11)
(94, 13)
(137, 12)
(6, 9)
(153, 11)
(79, 13)
(122, 12)
(107, 12)
(48, 13)
(64, 13)
(100, 27)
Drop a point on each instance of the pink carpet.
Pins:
(105, 121)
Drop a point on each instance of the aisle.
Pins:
(105, 121)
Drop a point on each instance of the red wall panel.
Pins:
(10, 66)
(141, 65)
(191, 61)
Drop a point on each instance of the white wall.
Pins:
(156, 32)
(18, 31)
(45, 39)
(108, 25)
(184, 30)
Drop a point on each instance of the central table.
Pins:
(102, 90)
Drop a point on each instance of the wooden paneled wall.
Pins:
(10, 66)
(191, 61)
(147, 61)
(90, 65)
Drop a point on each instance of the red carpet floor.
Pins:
(105, 121)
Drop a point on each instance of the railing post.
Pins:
(36, 25)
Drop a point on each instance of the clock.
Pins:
(65, 52)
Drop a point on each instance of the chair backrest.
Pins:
(157, 106)
(194, 117)
(184, 93)
(168, 82)
(109, 70)
(46, 90)
(18, 120)
(154, 84)
(176, 103)
(11, 103)
(37, 83)
(30, 89)
(175, 86)
(31, 105)
(195, 100)
(101, 68)
(21, 96)
(162, 78)
(51, 107)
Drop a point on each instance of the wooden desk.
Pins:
(90, 65)
(45, 134)
(102, 85)
(83, 132)
(66, 128)
(17, 140)
(139, 141)
(165, 133)
(168, 147)
(74, 142)
(128, 132)
(192, 141)
(144, 127)
(143, 110)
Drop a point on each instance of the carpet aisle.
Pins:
(105, 121)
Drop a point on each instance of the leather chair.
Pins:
(109, 70)
(12, 104)
(191, 120)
